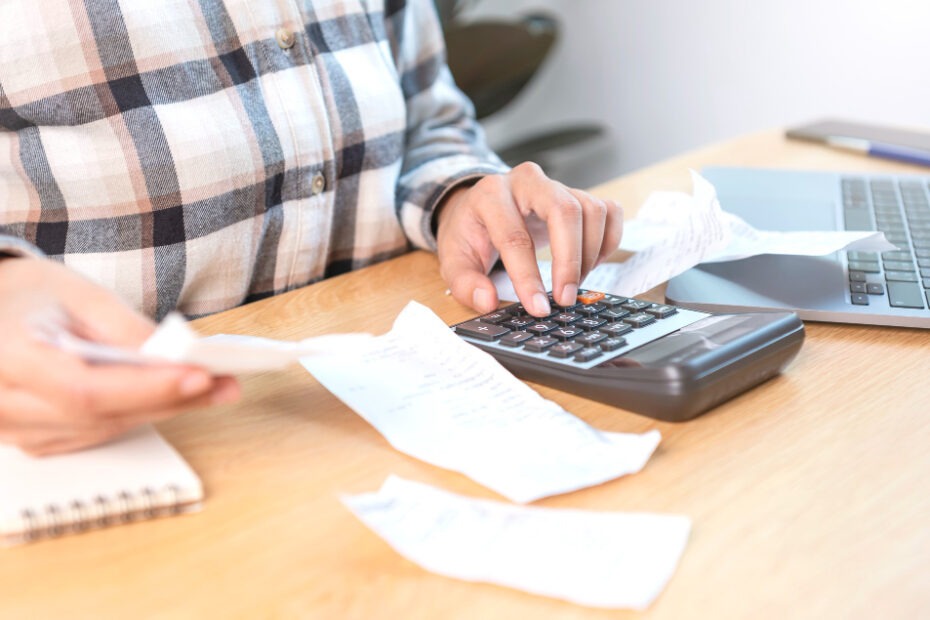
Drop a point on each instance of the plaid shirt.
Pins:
(196, 155)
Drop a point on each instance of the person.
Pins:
(159, 156)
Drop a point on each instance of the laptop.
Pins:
(869, 288)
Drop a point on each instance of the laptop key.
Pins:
(905, 295)
(866, 266)
(860, 299)
(875, 288)
(898, 265)
(858, 219)
(900, 276)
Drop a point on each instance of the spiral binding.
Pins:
(78, 516)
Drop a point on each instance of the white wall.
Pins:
(667, 76)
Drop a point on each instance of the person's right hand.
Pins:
(52, 401)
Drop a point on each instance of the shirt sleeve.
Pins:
(445, 145)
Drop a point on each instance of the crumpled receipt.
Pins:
(675, 231)
(439, 399)
(598, 559)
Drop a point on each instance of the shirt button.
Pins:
(286, 38)
(318, 184)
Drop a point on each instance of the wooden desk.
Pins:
(809, 494)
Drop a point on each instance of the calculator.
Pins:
(663, 361)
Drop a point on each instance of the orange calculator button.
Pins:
(590, 297)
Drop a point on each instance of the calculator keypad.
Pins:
(598, 327)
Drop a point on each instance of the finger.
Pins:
(99, 390)
(603, 227)
(465, 256)
(93, 311)
(468, 283)
(613, 230)
(39, 431)
(564, 217)
(45, 445)
(508, 233)
(101, 317)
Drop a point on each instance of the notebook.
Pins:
(136, 476)
(888, 288)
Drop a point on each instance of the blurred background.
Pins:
(596, 88)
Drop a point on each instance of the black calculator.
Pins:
(663, 361)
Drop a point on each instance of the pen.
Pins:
(880, 149)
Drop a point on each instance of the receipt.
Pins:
(598, 559)
(674, 231)
(439, 399)
(175, 341)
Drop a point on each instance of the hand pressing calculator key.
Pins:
(662, 361)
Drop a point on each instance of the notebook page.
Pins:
(137, 473)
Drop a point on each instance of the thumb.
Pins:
(467, 279)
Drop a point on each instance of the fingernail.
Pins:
(194, 383)
(569, 293)
(541, 304)
(481, 300)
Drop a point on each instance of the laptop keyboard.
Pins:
(900, 208)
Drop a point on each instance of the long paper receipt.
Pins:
(674, 231)
(443, 401)
(598, 559)
(176, 342)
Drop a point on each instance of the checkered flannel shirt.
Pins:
(196, 155)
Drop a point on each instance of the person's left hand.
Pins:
(505, 215)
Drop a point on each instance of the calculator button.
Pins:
(640, 319)
(566, 318)
(541, 327)
(540, 343)
(591, 323)
(566, 332)
(589, 297)
(612, 301)
(661, 311)
(614, 314)
(515, 339)
(591, 338)
(480, 330)
(587, 354)
(591, 309)
(519, 322)
(635, 305)
(615, 329)
(565, 349)
(495, 317)
(611, 344)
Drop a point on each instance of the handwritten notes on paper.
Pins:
(598, 559)
(443, 401)
(674, 231)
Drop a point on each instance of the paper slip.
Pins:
(675, 231)
(439, 399)
(598, 559)
(174, 341)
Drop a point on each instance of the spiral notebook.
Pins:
(136, 476)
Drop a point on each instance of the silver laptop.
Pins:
(888, 288)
